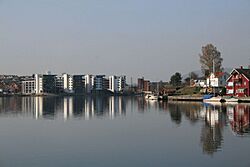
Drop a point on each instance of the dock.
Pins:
(185, 98)
(244, 100)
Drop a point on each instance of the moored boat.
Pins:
(151, 96)
(214, 99)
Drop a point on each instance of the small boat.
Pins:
(214, 99)
(163, 98)
(231, 100)
(207, 96)
(151, 96)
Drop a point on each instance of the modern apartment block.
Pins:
(38, 84)
(28, 87)
(49, 84)
(98, 82)
(80, 84)
(88, 83)
(67, 83)
(46, 83)
(117, 83)
(59, 84)
(121, 83)
(106, 83)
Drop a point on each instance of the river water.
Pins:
(122, 131)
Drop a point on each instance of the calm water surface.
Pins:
(121, 131)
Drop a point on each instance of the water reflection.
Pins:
(147, 105)
(191, 111)
(213, 118)
(212, 129)
(67, 107)
(210, 118)
(239, 119)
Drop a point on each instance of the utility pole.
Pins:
(131, 84)
(214, 75)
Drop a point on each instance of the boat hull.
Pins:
(214, 99)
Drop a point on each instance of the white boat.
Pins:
(151, 97)
(214, 99)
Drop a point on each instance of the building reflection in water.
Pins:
(191, 111)
(11, 107)
(211, 118)
(212, 130)
(70, 107)
(239, 119)
(146, 105)
(67, 108)
(116, 107)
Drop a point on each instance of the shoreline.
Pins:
(187, 98)
(200, 98)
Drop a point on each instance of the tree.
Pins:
(187, 81)
(190, 79)
(175, 79)
(210, 55)
(193, 76)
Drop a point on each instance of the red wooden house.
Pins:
(238, 83)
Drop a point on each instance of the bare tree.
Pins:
(210, 55)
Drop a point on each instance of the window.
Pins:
(240, 91)
(238, 84)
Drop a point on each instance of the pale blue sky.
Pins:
(150, 38)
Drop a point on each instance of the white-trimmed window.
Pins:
(230, 91)
(240, 91)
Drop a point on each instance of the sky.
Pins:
(149, 38)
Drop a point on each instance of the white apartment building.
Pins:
(117, 83)
(88, 83)
(73, 84)
(28, 87)
(67, 83)
(38, 84)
